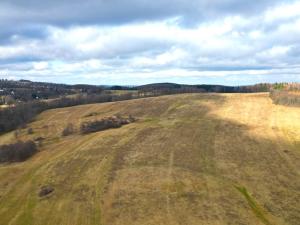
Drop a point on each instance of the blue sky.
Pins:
(132, 42)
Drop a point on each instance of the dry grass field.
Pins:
(190, 159)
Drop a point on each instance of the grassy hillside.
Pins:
(189, 159)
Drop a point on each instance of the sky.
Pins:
(132, 42)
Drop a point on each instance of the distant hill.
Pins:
(206, 88)
(263, 87)
(26, 90)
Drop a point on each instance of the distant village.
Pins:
(12, 92)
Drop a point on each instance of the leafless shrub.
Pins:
(39, 141)
(30, 131)
(17, 133)
(282, 97)
(68, 130)
(17, 152)
(104, 124)
(45, 190)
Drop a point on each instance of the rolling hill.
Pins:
(188, 159)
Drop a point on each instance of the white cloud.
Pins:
(12, 51)
(275, 52)
(40, 65)
(229, 45)
(283, 11)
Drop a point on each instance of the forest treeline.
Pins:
(183, 88)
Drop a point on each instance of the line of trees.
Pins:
(17, 116)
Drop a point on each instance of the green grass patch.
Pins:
(151, 120)
(258, 211)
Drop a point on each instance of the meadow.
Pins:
(192, 159)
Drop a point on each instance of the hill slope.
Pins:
(189, 159)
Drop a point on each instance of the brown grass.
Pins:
(180, 163)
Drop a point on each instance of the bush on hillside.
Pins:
(285, 98)
(45, 190)
(104, 124)
(30, 131)
(68, 130)
(17, 152)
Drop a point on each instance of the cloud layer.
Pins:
(110, 42)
